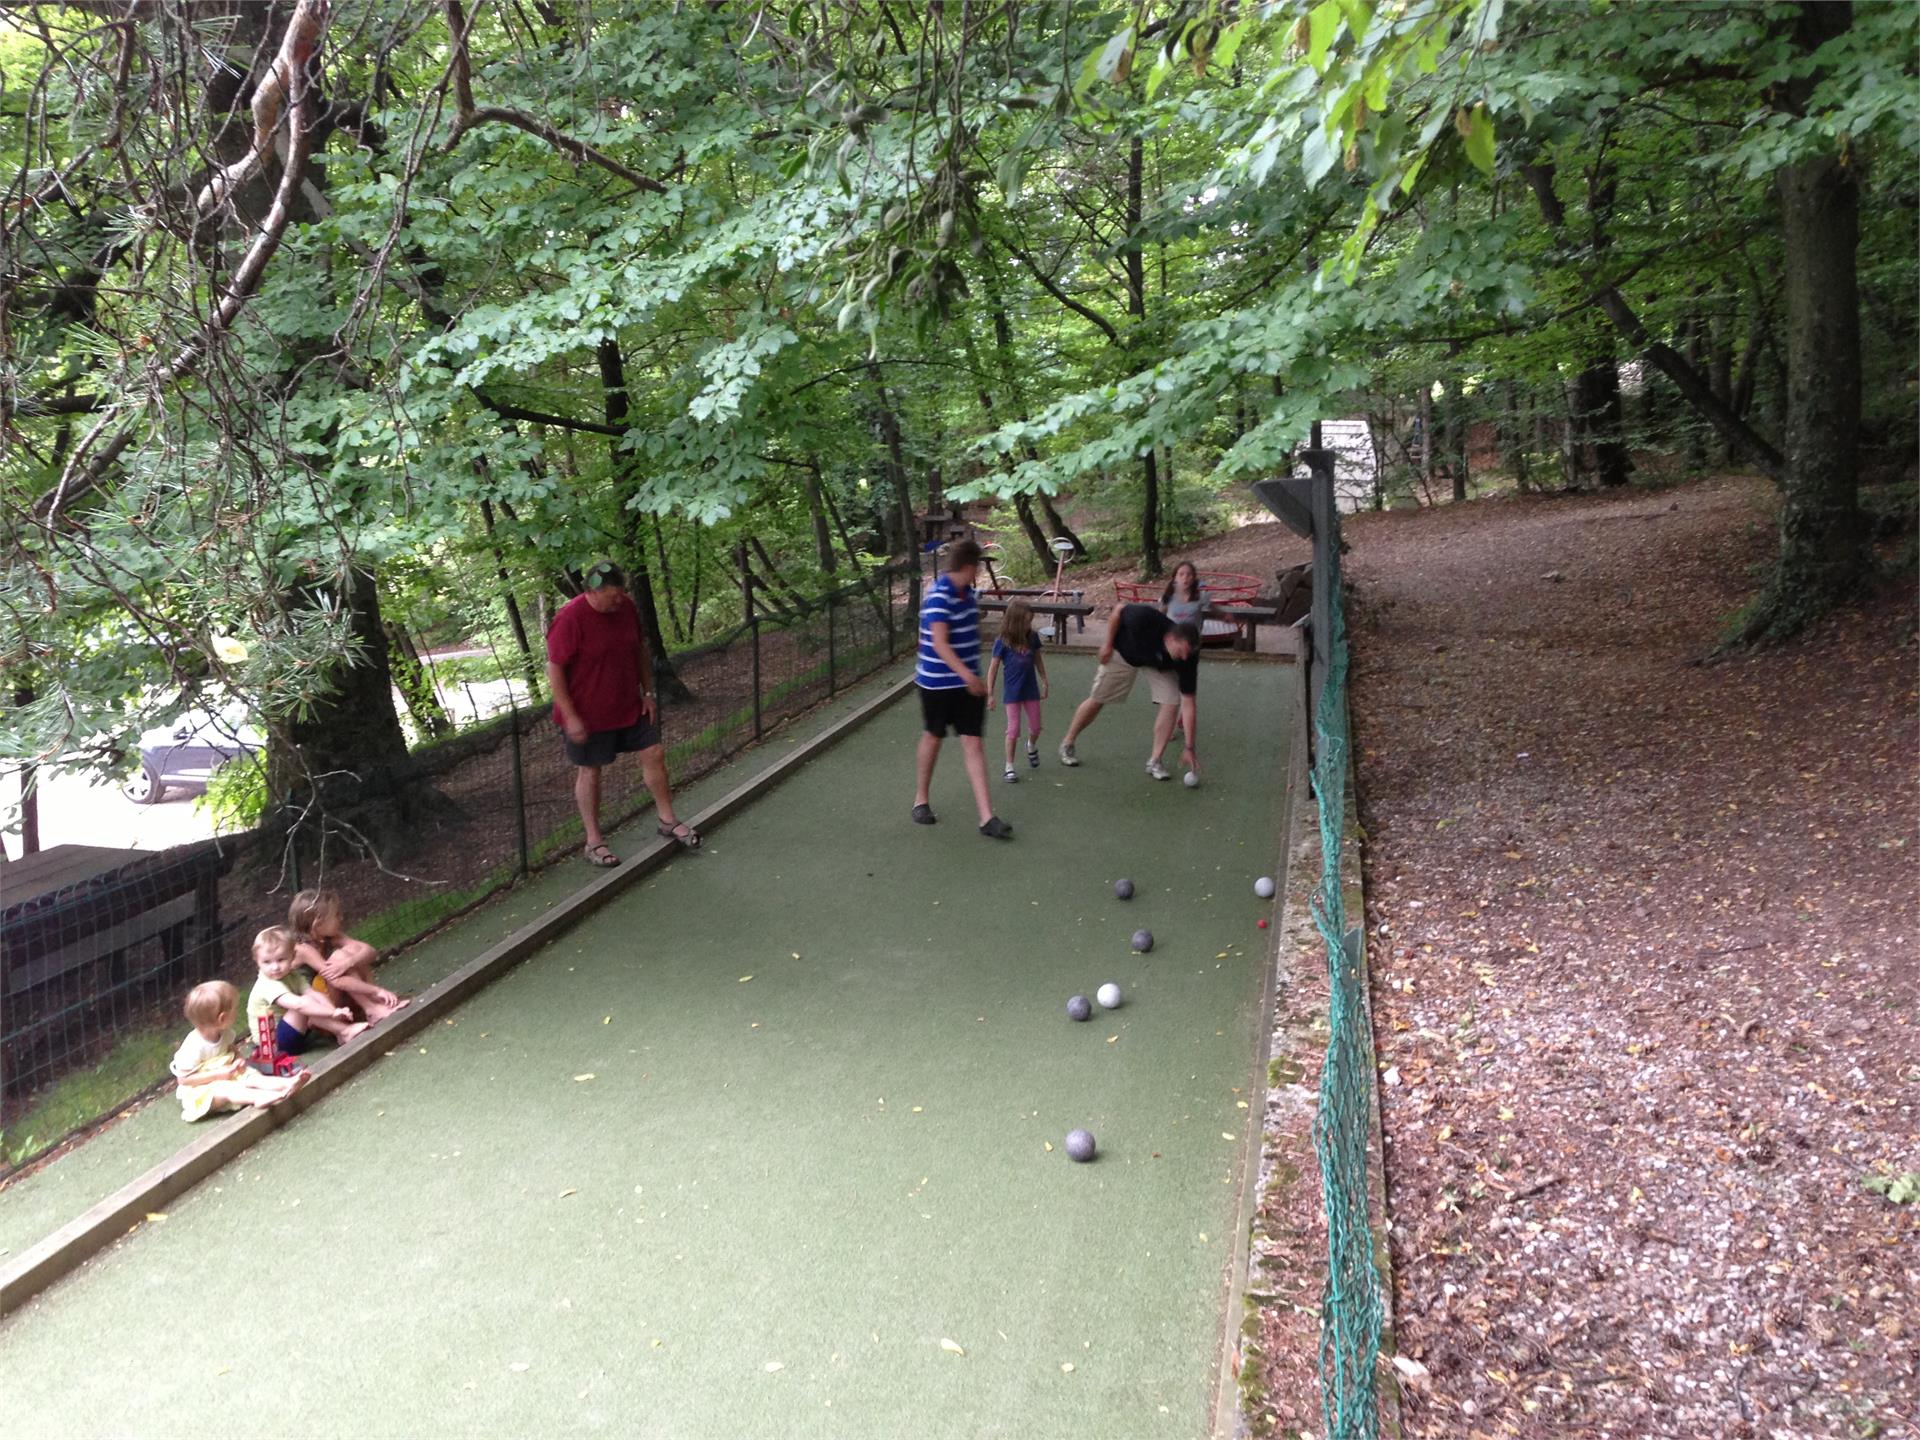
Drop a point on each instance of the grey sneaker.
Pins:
(1157, 771)
(1067, 757)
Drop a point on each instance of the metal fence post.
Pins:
(519, 788)
(750, 613)
(833, 675)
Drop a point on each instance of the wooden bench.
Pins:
(90, 935)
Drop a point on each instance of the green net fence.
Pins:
(1351, 1313)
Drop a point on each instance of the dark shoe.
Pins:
(997, 829)
(923, 815)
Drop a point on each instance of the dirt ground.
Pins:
(1644, 938)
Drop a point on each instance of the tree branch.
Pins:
(1670, 362)
(1085, 312)
(538, 417)
(87, 464)
(468, 116)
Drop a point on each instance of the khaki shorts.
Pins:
(1113, 682)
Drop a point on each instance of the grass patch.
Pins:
(84, 1096)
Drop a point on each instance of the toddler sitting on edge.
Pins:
(282, 995)
(211, 1062)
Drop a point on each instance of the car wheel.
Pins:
(145, 788)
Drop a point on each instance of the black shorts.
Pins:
(955, 709)
(602, 746)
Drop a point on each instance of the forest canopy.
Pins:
(326, 325)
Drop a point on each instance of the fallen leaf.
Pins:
(579, 1078)
(951, 1347)
(916, 1109)
(519, 1366)
(156, 1215)
(744, 978)
(1048, 1144)
(607, 1021)
(773, 1365)
(564, 1193)
(1066, 1367)
(1112, 1038)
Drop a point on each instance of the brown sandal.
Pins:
(680, 832)
(600, 857)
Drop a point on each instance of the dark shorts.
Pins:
(602, 746)
(287, 1040)
(956, 710)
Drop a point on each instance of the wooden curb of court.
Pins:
(78, 1241)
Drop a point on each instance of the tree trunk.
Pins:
(1424, 419)
(666, 578)
(817, 508)
(1452, 421)
(896, 462)
(1516, 437)
(1022, 503)
(347, 766)
(415, 684)
(1137, 308)
(1010, 383)
(1596, 392)
(29, 793)
(613, 384)
(1823, 551)
(528, 667)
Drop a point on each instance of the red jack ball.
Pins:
(1263, 924)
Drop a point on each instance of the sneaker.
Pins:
(997, 829)
(923, 815)
(1033, 756)
(1012, 777)
(1067, 757)
(1157, 771)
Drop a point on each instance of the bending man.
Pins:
(1140, 637)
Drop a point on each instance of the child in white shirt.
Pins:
(210, 1064)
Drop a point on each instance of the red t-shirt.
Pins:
(600, 656)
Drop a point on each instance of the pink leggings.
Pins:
(1015, 708)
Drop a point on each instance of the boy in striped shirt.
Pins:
(952, 694)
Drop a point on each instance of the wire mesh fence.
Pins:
(98, 946)
(1351, 1315)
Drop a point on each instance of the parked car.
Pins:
(181, 757)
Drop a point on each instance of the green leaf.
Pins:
(1479, 139)
(1116, 60)
(1323, 21)
(1230, 41)
(1157, 76)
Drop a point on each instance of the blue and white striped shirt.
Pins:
(960, 613)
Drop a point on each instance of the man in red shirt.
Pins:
(602, 681)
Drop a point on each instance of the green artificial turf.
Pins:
(743, 1153)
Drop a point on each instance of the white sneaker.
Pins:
(1157, 771)
(1067, 757)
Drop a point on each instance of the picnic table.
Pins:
(90, 932)
(1248, 619)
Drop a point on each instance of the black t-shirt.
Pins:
(1141, 641)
